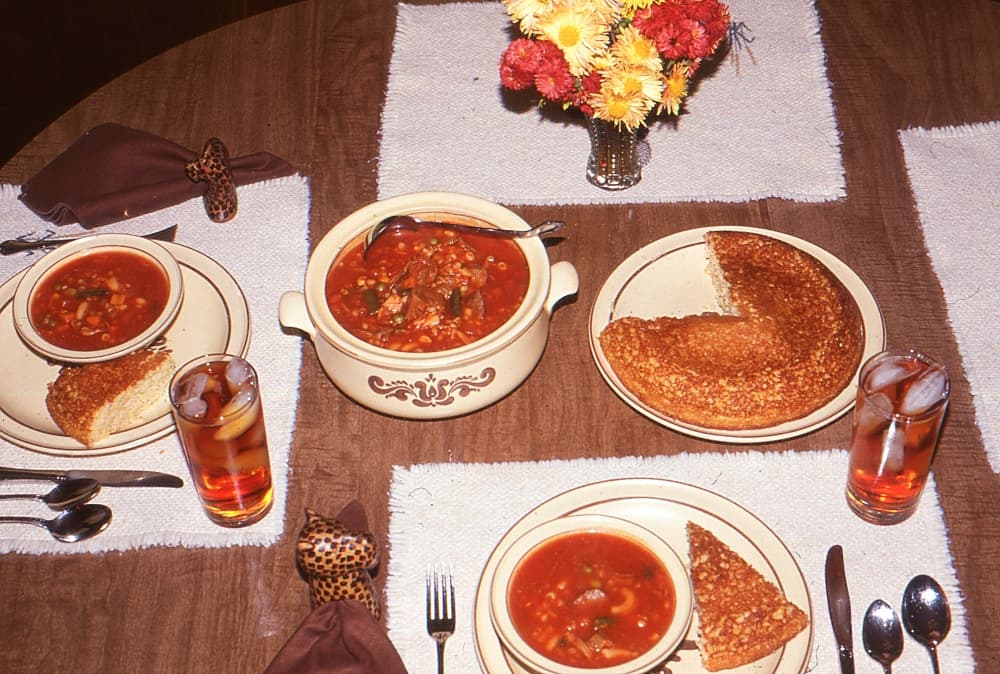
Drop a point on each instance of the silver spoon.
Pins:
(926, 614)
(396, 222)
(882, 635)
(64, 495)
(70, 526)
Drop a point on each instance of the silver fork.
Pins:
(440, 610)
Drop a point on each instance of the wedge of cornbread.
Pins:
(742, 616)
(91, 402)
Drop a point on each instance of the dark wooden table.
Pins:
(306, 81)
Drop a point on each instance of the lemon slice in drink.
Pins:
(242, 423)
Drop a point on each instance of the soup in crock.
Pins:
(427, 290)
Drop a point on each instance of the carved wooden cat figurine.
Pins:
(337, 562)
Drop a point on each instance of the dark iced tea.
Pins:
(902, 398)
(220, 421)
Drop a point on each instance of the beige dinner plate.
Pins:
(665, 507)
(214, 317)
(668, 278)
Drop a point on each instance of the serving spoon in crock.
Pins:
(397, 222)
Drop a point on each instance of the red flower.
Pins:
(698, 44)
(719, 27)
(713, 15)
(665, 24)
(674, 40)
(589, 84)
(653, 19)
(519, 63)
(704, 11)
(684, 28)
(554, 81)
(552, 77)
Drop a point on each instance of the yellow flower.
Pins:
(608, 11)
(635, 80)
(675, 89)
(525, 13)
(630, 7)
(628, 108)
(579, 31)
(633, 48)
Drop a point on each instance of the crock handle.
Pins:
(564, 282)
(292, 313)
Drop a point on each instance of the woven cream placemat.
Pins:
(761, 125)
(456, 513)
(955, 175)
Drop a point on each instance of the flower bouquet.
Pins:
(618, 61)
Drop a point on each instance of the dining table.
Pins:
(325, 86)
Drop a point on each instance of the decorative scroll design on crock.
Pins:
(431, 391)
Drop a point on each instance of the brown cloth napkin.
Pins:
(113, 172)
(339, 637)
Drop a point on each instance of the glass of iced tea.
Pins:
(220, 421)
(902, 399)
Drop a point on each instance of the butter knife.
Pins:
(107, 478)
(839, 601)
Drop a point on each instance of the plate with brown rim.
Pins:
(668, 278)
(214, 318)
(664, 507)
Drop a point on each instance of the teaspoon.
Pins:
(395, 222)
(926, 614)
(69, 526)
(64, 495)
(882, 635)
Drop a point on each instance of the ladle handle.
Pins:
(547, 227)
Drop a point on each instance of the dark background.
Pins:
(53, 53)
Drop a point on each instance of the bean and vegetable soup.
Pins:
(591, 599)
(427, 290)
(98, 300)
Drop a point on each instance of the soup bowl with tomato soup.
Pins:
(590, 594)
(430, 323)
(97, 298)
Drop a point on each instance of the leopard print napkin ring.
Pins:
(212, 167)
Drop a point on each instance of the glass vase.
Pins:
(614, 162)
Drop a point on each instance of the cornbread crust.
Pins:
(90, 402)
(742, 616)
(791, 341)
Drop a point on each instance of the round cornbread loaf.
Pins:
(790, 342)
